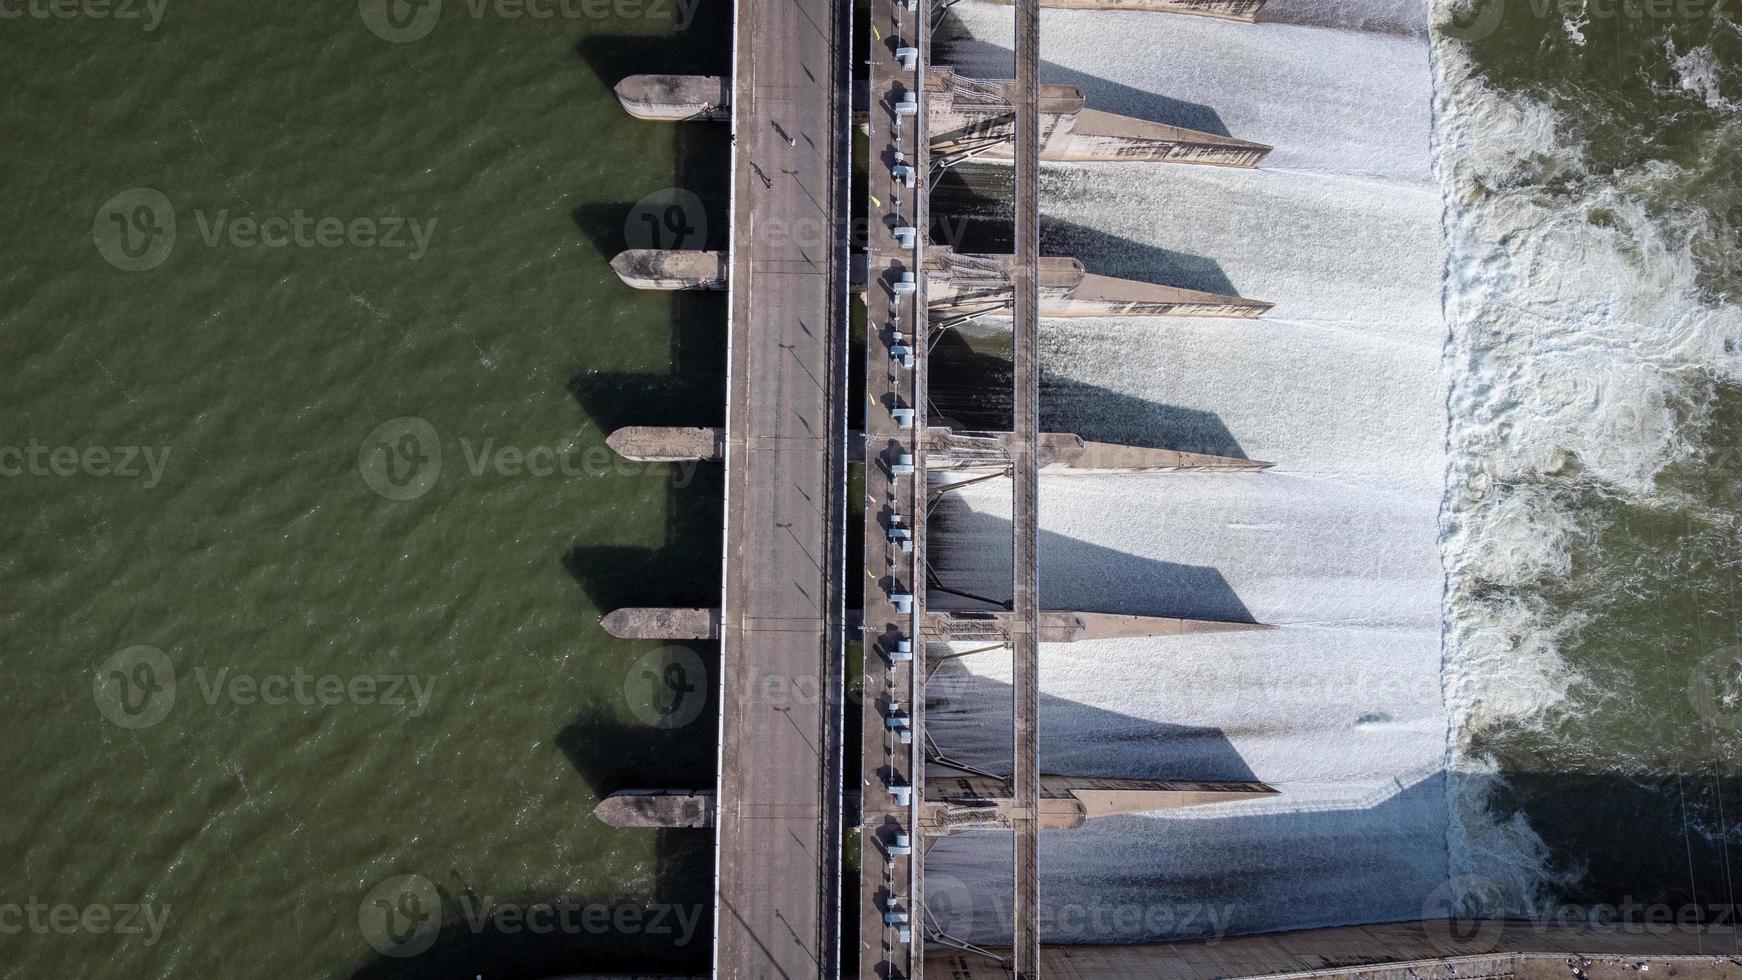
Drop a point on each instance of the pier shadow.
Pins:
(694, 51)
(683, 571)
(703, 167)
(1115, 255)
(954, 45)
(971, 388)
(1074, 574)
(971, 212)
(968, 714)
(665, 929)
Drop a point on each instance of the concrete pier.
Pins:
(974, 117)
(670, 808)
(677, 98)
(940, 625)
(969, 285)
(979, 285)
(669, 268)
(1059, 453)
(970, 802)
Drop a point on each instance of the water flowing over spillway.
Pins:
(1341, 709)
(1500, 385)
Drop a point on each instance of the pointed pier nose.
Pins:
(676, 98)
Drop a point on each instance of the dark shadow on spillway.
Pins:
(968, 714)
(971, 389)
(954, 45)
(1074, 574)
(1625, 844)
(1115, 255)
(971, 213)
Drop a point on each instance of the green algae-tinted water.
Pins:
(337, 687)
(1633, 782)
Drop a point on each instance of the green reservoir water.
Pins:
(262, 655)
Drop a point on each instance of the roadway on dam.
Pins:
(777, 859)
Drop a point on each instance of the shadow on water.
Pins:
(954, 45)
(703, 156)
(603, 935)
(665, 929)
(971, 212)
(1074, 573)
(971, 389)
(682, 571)
(695, 50)
(691, 389)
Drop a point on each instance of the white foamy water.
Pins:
(1577, 345)
(1341, 708)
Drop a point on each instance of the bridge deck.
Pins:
(778, 844)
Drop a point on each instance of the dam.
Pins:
(915, 789)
